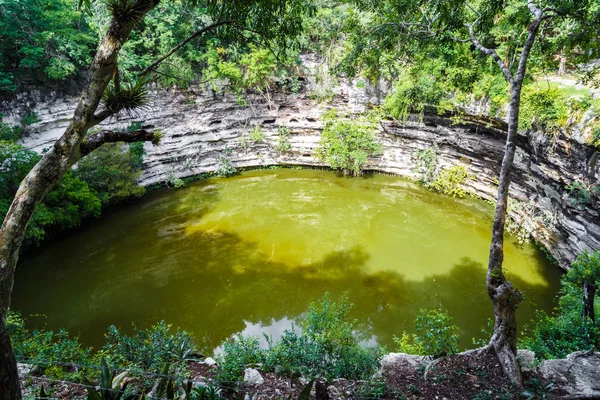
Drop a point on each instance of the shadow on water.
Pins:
(216, 283)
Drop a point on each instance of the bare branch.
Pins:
(492, 53)
(98, 139)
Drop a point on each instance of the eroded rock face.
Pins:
(578, 374)
(198, 127)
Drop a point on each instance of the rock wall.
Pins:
(198, 127)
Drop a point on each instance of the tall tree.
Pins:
(272, 19)
(506, 32)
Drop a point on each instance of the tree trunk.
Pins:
(562, 66)
(505, 298)
(589, 293)
(46, 173)
(9, 377)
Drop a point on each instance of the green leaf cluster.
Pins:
(435, 335)
(112, 171)
(565, 331)
(347, 144)
(326, 346)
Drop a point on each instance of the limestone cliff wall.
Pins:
(199, 126)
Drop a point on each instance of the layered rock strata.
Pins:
(201, 127)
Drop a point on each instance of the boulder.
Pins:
(526, 360)
(578, 374)
(211, 362)
(253, 377)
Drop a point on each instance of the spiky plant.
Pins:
(125, 10)
(127, 97)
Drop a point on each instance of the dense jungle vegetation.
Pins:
(505, 59)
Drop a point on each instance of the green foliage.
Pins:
(148, 349)
(256, 134)
(413, 94)
(45, 348)
(206, 392)
(327, 345)
(238, 354)
(225, 166)
(41, 40)
(536, 389)
(127, 96)
(9, 133)
(29, 118)
(580, 195)
(283, 144)
(113, 171)
(347, 144)
(543, 109)
(425, 163)
(566, 331)
(450, 181)
(65, 206)
(435, 335)
(585, 268)
(112, 386)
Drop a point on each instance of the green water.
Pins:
(249, 253)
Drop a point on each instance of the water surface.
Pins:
(249, 253)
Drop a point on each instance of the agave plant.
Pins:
(112, 386)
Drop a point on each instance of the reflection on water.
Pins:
(249, 254)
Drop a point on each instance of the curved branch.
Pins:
(492, 53)
(98, 139)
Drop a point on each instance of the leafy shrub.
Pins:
(55, 352)
(348, 144)
(450, 181)
(283, 144)
(425, 164)
(238, 354)
(256, 134)
(64, 207)
(327, 345)
(225, 167)
(579, 194)
(413, 93)
(566, 331)
(8, 132)
(148, 349)
(113, 171)
(435, 335)
(543, 108)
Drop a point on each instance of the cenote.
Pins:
(248, 254)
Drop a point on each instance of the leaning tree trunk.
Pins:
(505, 298)
(589, 293)
(46, 173)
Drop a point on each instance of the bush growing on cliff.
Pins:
(346, 145)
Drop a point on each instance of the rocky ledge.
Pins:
(199, 127)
